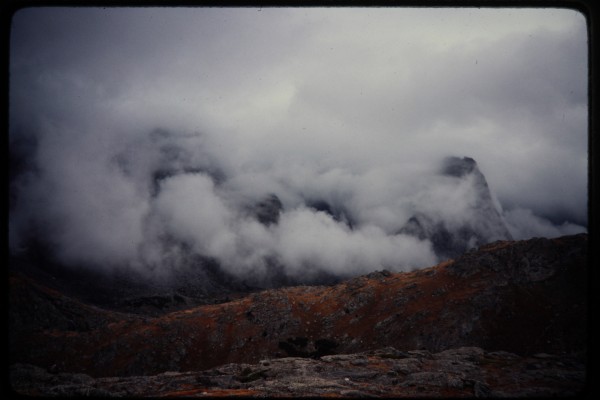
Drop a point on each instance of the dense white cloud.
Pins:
(307, 238)
(134, 125)
(523, 224)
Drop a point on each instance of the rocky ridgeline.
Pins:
(462, 372)
(525, 298)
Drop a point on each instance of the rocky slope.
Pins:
(387, 372)
(201, 281)
(525, 297)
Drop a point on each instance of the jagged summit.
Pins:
(478, 222)
(459, 167)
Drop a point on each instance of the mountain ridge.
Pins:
(184, 276)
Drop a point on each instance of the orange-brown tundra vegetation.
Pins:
(522, 298)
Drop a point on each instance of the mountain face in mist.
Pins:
(484, 224)
(450, 235)
(204, 236)
(267, 211)
(338, 214)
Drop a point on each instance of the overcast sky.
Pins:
(323, 99)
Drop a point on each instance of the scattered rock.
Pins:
(349, 375)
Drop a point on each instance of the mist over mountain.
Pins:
(195, 187)
(185, 203)
(206, 237)
(478, 222)
(301, 144)
(167, 202)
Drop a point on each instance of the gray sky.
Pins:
(358, 104)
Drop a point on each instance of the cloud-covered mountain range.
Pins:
(305, 141)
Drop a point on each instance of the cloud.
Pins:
(132, 129)
(307, 239)
(523, 224)
(192, 212)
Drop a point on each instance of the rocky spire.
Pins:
(482, 224)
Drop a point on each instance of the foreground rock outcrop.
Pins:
(388, 372)
(526, 298)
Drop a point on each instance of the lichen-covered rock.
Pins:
(461, 372)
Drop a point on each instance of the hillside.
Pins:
(522, 297)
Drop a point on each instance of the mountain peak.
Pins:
(459, 167)
(481, 223)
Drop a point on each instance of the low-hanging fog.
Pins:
(140, 136)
